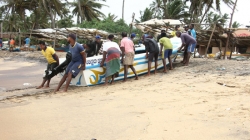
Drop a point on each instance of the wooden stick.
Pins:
(210, 40)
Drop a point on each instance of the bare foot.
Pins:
(171, 68)
(164, 71)
(105, 84)
(46, 87)
(136, 78)
(147, 75)
(124, 80)
(155, 72)
(55, 91)
(39, 87)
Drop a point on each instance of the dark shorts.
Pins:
(152, 56)
(167, 53)
(49, 70)
(74, 68)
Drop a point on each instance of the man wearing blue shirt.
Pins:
(192, 31)
(77, 63)
(27, 43)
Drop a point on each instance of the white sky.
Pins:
(115, 7)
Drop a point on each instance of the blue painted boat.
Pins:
(94, 74)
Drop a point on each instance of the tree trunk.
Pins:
(123, 9)
(80, 10)
(52, 17)
(207, 9)
(230, 24)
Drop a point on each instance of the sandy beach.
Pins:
(209, 100)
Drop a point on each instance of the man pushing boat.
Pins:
(77, 63)
(53, 61)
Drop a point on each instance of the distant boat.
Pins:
(62, 49)
(94, 74)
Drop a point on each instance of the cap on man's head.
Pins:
(97, 37)
(73, 36)
(133, 35)
(41, 43)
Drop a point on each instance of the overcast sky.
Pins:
(115, 7)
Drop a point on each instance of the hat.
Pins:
(73, 36)
(97, 37)
(133, 35)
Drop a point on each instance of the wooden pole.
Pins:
(19, 35)
(131, 25)
(230, 24)
(220, 48)
(231, 51)
(211, 36)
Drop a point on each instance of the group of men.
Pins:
(112, 52)
(188, 39)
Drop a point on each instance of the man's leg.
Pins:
(106, 81)
(68, 80)
(44, 80)
(61, 82)
(133, 69)
(149, 67)
(164, 65)
(188, 58)
(48, 82)
(156, 62)
(170, 63)
(125, 73)
(113, 79)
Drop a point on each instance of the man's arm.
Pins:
(123, 52)
(103, 58)
(84, 59)
(56, 58)
(161, 48)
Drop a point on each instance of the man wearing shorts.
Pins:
(167, 52)
(27, 43)
(127, 48)
(153, 49)
(53, 61)
(189, 44)
(77, 63)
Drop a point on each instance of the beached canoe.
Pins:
(94, 74)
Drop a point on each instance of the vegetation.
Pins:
(26, 15)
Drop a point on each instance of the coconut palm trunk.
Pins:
(80, 10)
(123, 9)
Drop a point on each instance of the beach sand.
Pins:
(184, 104)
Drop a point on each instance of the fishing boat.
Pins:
(94, 74)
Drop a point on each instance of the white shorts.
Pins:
(27, 45)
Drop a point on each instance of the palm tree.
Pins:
(111, 17)
(236, 24)
(215, 18)
(197, 6)
(145, 15)
(175, 10)
(90, 9)
(52, 8)
(156, 6)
